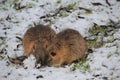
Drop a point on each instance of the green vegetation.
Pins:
(83, 64)
(100, 34)
(117, 52)
(30, 4)
(71, 6)
(2, 40)
(63, 13)
(2, 57)
(1, 19)
(58, 1)
(49, 24)
(88, 12)
(17, 4)
(36, 0)
(94, 43)
(109, 55)
(96, 29)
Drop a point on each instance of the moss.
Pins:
(16, 1)
(71, 6)
(117, 52)
(94, 43)
(58, 1)
(109, 55)
(82, 64)
(5, 7)
(111, 39)
(63, 13)
(96, 29)
(2, 40)
(36, 0)
(30, 4)
(49, 24)
(1, 19)
(88, 11)
(100, 33)
(2, 57)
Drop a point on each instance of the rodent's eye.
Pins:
(53, 53)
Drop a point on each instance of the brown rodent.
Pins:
(71, 46)
(39, 41)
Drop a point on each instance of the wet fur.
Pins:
(71, 46)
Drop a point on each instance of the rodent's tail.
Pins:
(17, 60)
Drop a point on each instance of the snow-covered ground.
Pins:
(16, 16)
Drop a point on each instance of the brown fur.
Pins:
(40, 41)
(71, 46)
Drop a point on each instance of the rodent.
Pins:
(71, 46)
(39, 41)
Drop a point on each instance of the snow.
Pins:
(104, 61)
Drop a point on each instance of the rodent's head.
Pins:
(56, 58)
(41, 51)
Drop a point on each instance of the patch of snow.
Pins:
(104, 62)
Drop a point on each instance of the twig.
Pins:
(108, 2)
(85, 9)
(96, 4)
(19, 38)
